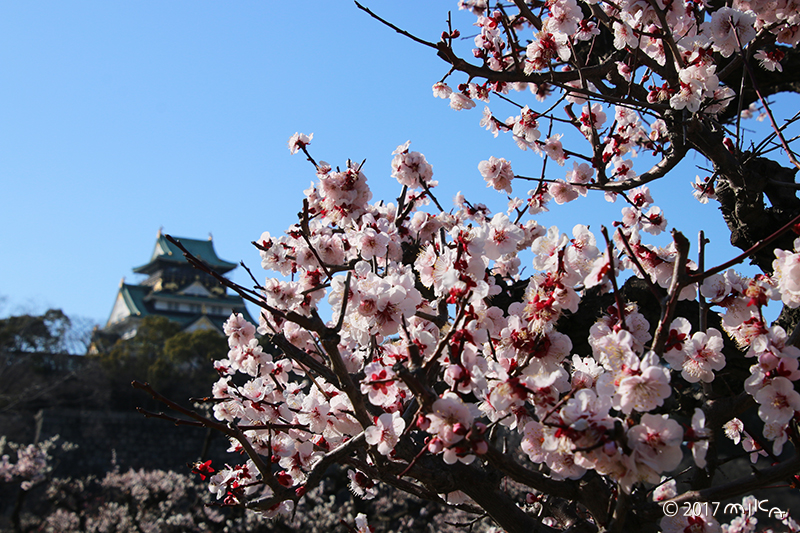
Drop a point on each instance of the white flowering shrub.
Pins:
(160, 501)
(443, 371)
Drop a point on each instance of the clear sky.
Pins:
(119, 118)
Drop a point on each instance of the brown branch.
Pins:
(612, 276)
(479, 486)
(330, 341)
(621, 510)
(231, 430)
(475, 71)
(293, 352)
(317, 472)
(680, 279)
(672, 157)
(757, 247)
(424, 395)
(531, 478)
(650, 285)
(667, 35)
(391, 479)
(744, 485)
(174, 420)
(305, 232)
(526, 12)
(345, 297)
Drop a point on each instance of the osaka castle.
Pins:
(176, 290)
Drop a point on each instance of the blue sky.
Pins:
(119, 118)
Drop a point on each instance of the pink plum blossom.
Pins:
(299, 141)
(386, 432)
(497, 173)
(778, 401)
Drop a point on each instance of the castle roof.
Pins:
(176, 290)
(166, 252)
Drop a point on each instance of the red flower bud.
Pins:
(284, 478)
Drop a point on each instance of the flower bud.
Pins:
(423, 422)
(480, 447)
(436, 445)
(284, 478)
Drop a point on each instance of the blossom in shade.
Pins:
(778, 401)
(666, 490)
(450, 418)
(770, 60)
(702, 522)
(646, 387)
(733, 429)
(699, 434)
(386, 432)
(361, 524)
(700, 357)
(731, 27)
(361, 485)
(656, 441)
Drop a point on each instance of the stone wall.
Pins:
(127, 439)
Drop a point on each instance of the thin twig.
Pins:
(395, 28)
(757, 247)
(632, 255)
(612, 276)
(230, 430)
(776, 129)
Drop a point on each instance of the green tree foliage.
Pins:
(175, 362)
(32, 333)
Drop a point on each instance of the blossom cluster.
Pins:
(32, 462)
(434, 344)
(411, 291)
(668, 57)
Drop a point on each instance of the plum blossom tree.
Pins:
(445, 373)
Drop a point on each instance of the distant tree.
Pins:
(192, 353)
(51, 332)
(163, 355)
(32, 333)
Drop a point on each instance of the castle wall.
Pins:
(128, 439)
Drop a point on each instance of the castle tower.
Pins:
(176, 290)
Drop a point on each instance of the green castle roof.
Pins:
(165, 251)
